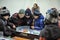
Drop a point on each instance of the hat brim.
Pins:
(7, 14)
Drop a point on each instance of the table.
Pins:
(6, 38)
(26, 32)
(3, 37)
(19, 38)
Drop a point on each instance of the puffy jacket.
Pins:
(39, 23)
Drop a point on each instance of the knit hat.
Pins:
(53, 12)
(28, 12)
(51, 15)
(37, 13)
(4, 12)
(22, 11)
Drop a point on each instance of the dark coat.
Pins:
(39, 23)
(6, 27)
(18, 21)
(29, 21)
(50, 32)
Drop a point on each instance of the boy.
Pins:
(29, 17)
(19, 18)
(5, 25)
(38, 21)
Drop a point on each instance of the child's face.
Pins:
(6, 17)
(27, 16)
(36, 17)
(21, 15)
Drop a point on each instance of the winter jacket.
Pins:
(18, 21)
(29, 21)
(6, 27)
(50, 32)
(39, 23)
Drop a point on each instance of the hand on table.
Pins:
(32, 27)
(14, 26)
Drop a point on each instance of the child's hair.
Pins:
(36, 5)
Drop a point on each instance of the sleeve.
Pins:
(14, 20)
(31, 23)
(1, 25)
(44, 33)
(1, 22)
(42, 21)
(10, 24)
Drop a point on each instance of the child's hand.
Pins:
(32, 27)
(14, 26)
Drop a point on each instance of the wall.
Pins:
(15, 5)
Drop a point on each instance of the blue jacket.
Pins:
(39, 23)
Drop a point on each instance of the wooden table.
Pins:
(19, 38)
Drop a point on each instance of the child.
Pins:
(38, 21)
(35, 7)
(19, 18)
(5, 25)
(29, 17)
(51, 30)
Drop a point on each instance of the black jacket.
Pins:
(18, 21)
(29, 21)
(6, 27)
(50, 32)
